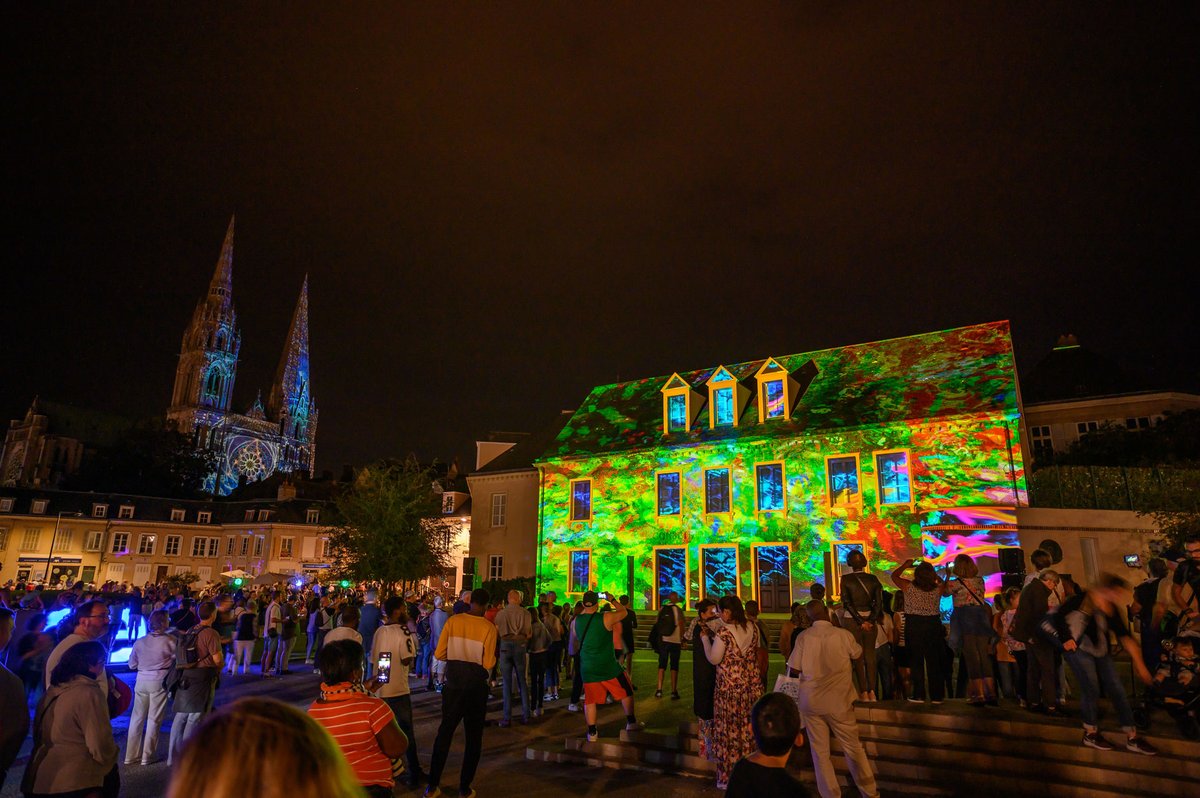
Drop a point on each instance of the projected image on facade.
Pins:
(873, 437)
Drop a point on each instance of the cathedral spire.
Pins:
(222, 281)
(290, 393)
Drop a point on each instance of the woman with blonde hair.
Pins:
(152, 658)
(265, 744)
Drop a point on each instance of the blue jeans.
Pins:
(1091, 672)
(512, 674)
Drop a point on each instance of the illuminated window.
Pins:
(677, 405)
(172, 545)
(581, 500)
(668, 493)
(716, 490)
(725, 398)
(146, 544)
(677, 413)
(842, 473)
(581, 571)
(895, 485)
(769, 486)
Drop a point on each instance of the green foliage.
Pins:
(179, 581)
(384, 532)
(150, 460)
(1176, 526)
(1175, 441)
(498, 589)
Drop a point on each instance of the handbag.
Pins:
(790, 687)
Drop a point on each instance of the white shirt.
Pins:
(395, 638)
(152, 655)
(343, 633)
(822, 655)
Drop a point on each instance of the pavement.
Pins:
(503, 769)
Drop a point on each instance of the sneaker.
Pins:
(937, 703)
(1096, 740)
(591, 738)
(912, 700)
(504, 724)
(1139, 745)
(572, 707)
(548, 697)
(555, 696)
(658, 693)
(674, 695)
(635, 726)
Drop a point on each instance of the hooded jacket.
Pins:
(73, 746)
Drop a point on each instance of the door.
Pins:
(774, 578)
(88, 574)
(670, 573)
(160, 574)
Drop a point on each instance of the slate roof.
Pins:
(528, 450)
(963, 371)
(156, 509)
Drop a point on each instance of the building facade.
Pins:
(757, 478)
(60, 537)
(277, 437)
(51, 441)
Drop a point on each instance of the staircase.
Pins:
(948, 750)
(641, 635)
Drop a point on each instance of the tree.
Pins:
(151, 460)
(384, 532)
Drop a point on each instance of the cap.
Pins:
(590, 599)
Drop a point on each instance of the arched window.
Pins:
(214, 386)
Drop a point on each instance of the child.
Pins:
(1177, 680)
(776, 725)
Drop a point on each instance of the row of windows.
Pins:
(125, 511)
(64, 541)
(770, 486)
(727, 396)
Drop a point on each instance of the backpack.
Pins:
(423, 630)
(185, 654)
(665, 623)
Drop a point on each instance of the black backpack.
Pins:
(665, 623)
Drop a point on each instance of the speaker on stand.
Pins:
(1012, 567)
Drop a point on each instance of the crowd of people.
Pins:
(873, 644)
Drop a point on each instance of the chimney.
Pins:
(286, 492)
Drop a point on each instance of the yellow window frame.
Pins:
(715, 385)
(657, 474)
(591, 580)
(754, 547)
(783, 476)
(835, 574)
(737, 559)
(912, 486)
(729, 484)
(684, 390)
(571, 501)
(655, 598)
(778, 374)
(857, 501)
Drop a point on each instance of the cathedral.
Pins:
(278, 437)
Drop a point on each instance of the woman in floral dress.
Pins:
(734, 651)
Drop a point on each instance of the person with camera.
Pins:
(602, 674)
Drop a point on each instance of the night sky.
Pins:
(498, 209)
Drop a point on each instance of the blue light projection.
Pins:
(677, 420)
(892, 469)
(773, 394)
(670, 572)
(720, 571)
(668, 493)
(716, 490)
(723, 399)
(769, 480)
(581, 571)
(843, 479)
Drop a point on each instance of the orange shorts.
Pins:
(595, 692)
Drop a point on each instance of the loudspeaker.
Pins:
(1012, 580)
(468, 568)
(1012, 561)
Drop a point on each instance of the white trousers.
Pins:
(242, 652)
(149, 706)
(845, 729)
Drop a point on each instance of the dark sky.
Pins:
(499, 208)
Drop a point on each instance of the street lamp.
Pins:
(50, 556)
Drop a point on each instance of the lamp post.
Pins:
(54, 537)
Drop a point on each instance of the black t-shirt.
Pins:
(751, 780)
(1189, 572)
(1146, 596)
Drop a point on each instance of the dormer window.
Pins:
(680, 405)
(726, 398)
(775, 390)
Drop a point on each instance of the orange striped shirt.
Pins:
(354, 719)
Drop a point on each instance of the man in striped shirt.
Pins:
(362, 725)
(468, 647)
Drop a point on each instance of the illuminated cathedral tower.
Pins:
(255, 444)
